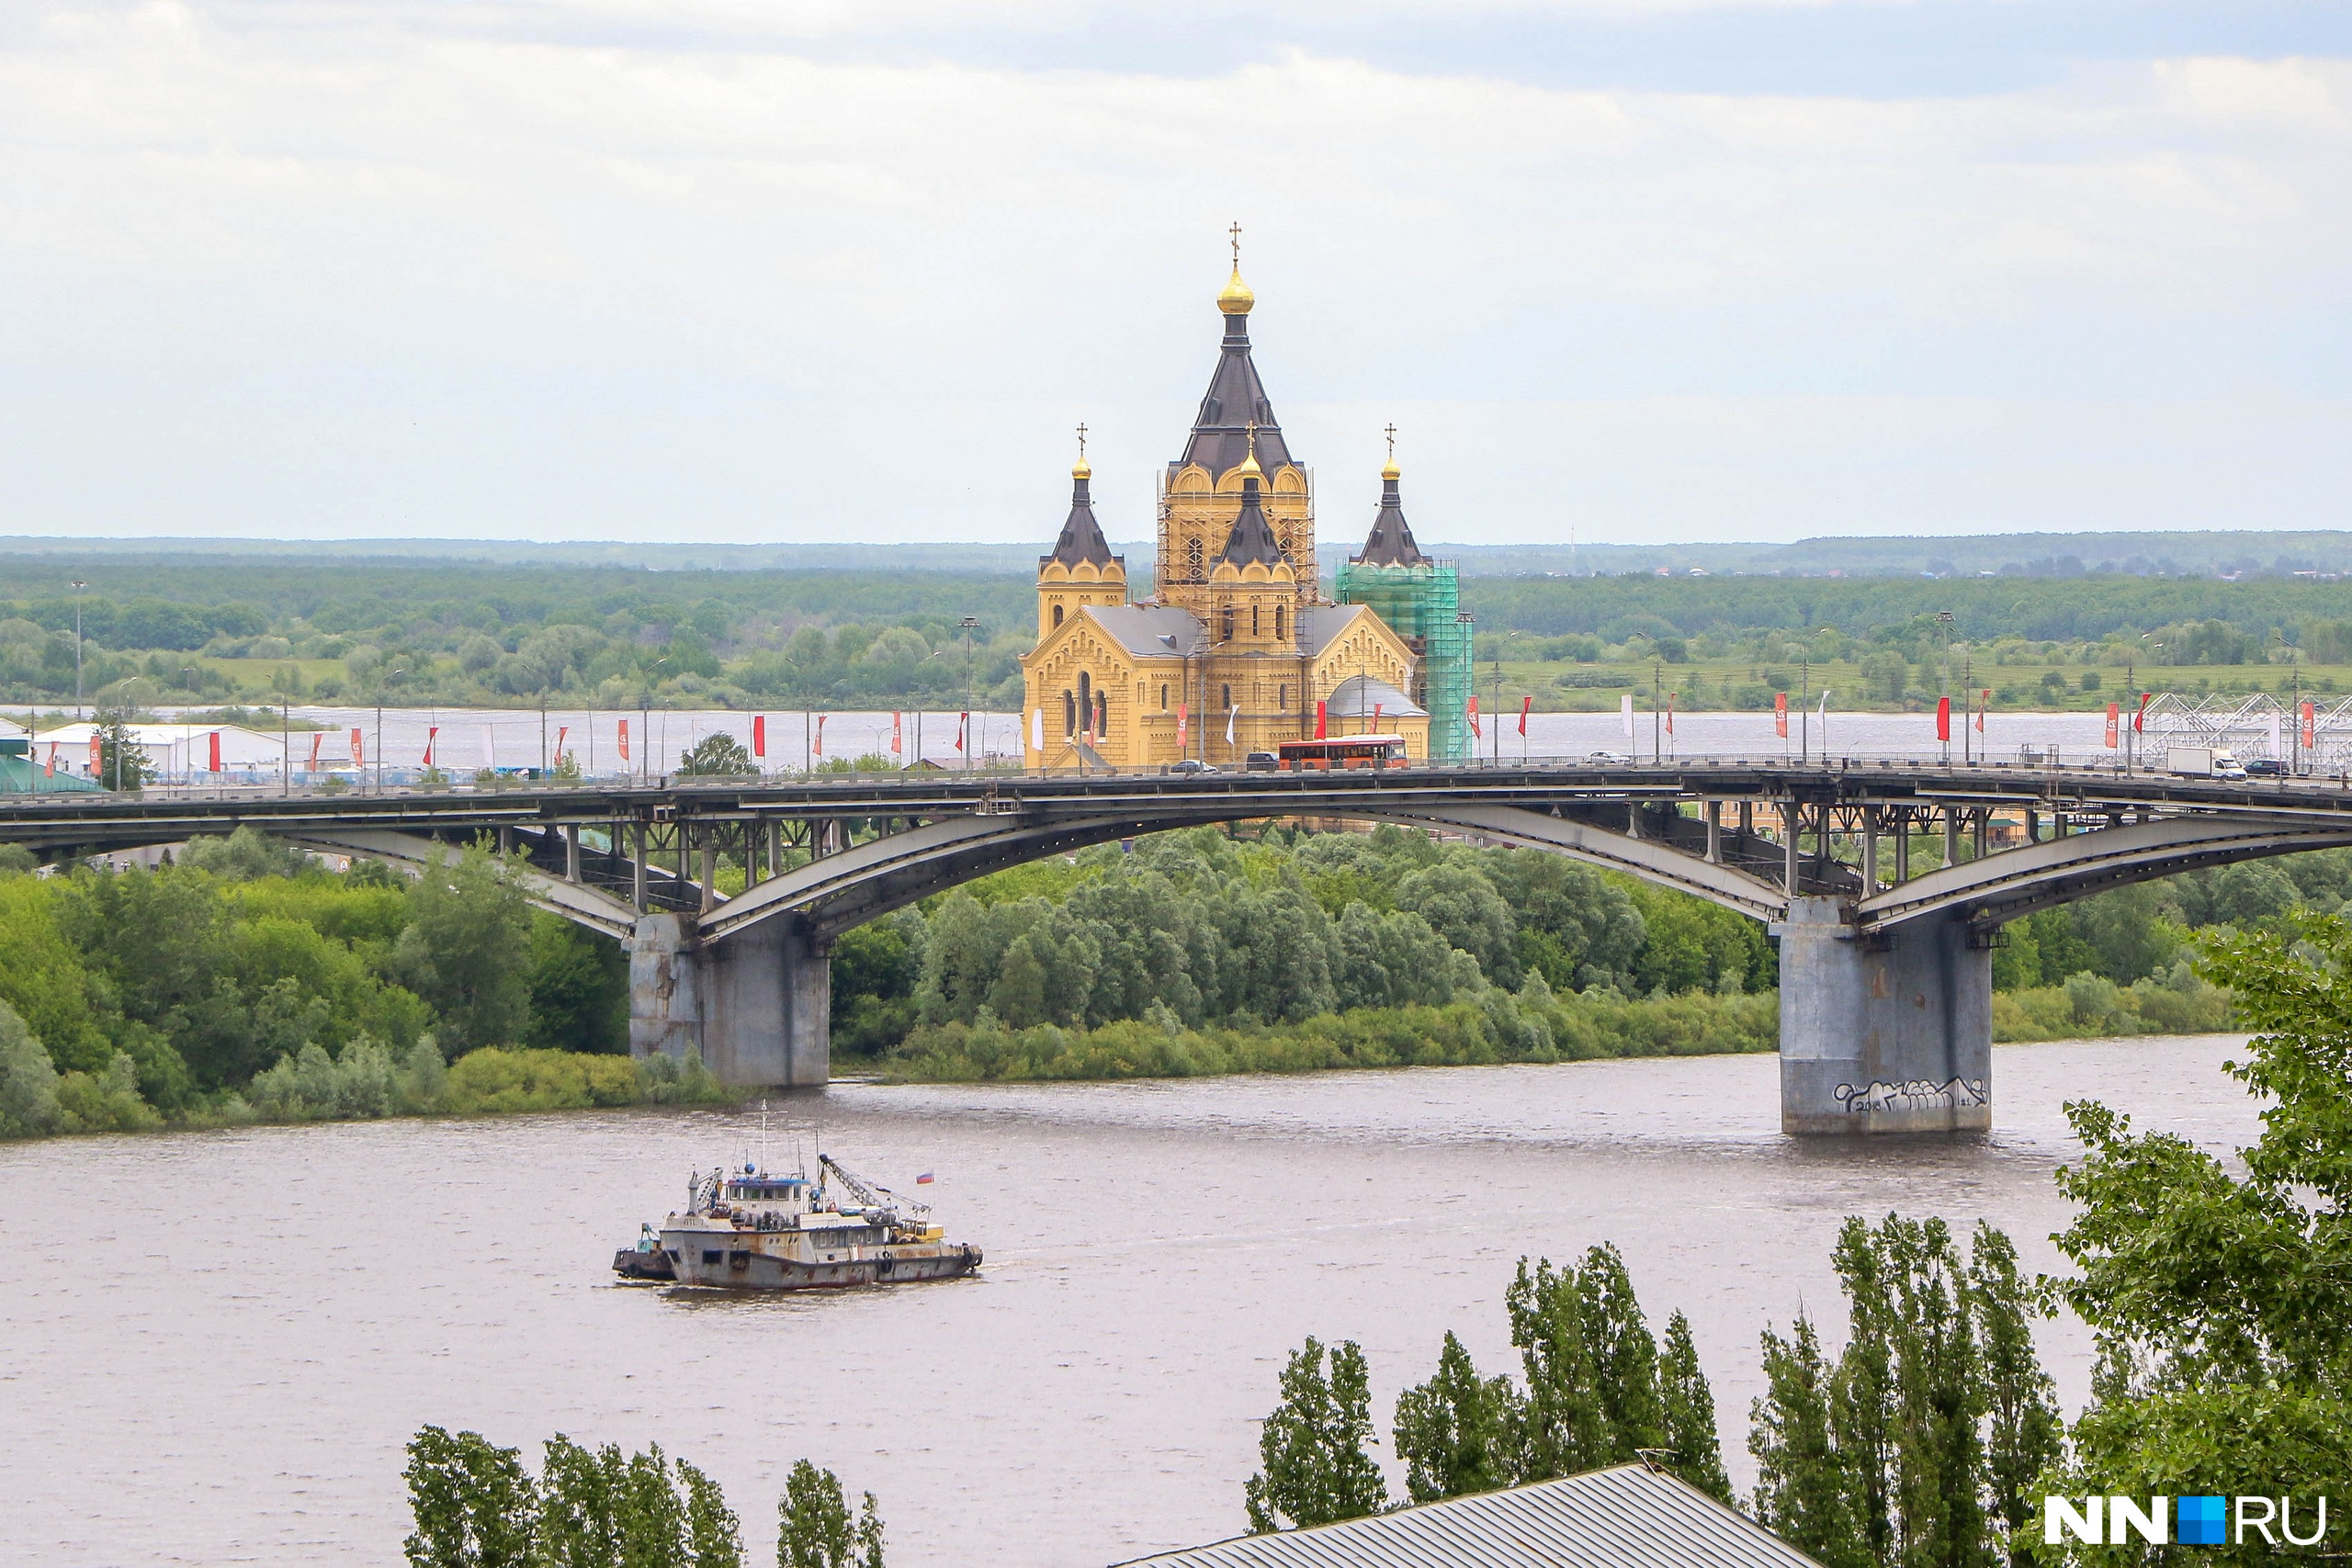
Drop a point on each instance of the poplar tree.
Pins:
(2026, 1434)
(1802, 1492)
(1313, 1444)
(813, 1524)
(473, 1503)
(1453, 1432)
(1688, 1408)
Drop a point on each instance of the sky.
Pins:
(752, 270)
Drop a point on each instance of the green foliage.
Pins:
(578, 987)
(719, 755)
(2224, 1333)
(1921, 1444)
(106, 1101)
(1534, 1027)
(1454, 1432)
(472, 1502)
(244, 855)
(814, 1527)
(466, 950)
(475, 1504)
(28, 1107)
(498, 1079)
(1313, 1446)
(122, 765)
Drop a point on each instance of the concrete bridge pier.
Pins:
(756, 1003)
(1884, 1031)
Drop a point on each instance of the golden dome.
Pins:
(1237, 299)
(1391, 472)
(1082, 469)
(1249, 468)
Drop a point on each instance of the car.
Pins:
(1192, 765)
(1608, 758)
(2265, 768)
(1261, 762)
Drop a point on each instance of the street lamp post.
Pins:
(969, 623)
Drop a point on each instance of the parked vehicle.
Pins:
(2203, 762)
(1191, 765)
(1261, 763)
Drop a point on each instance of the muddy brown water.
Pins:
(213, 1344)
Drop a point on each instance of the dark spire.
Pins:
(1390, 543)
(1081, 537)
(1251, 539)
(1235, 397)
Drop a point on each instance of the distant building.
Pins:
(1629, 1516)
(1237, 649)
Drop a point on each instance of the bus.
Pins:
(1341, 751)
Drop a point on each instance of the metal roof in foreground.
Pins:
(1629, 1516)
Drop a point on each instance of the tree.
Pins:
(814, 1527)
(245, 855)
(1688, 1411)
(1463, 907)
(1453, 1431)
(28, 1106)
(714, 1538)
(466, 950)
(2217, 1299)
(123, 764)
(473, 1503)
(1801, 1493)
(717, 755)
(1313, 1446)
(579, 987)
(2027, 1434)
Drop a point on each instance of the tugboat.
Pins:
(753, 1229)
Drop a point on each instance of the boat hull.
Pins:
(743, 1263)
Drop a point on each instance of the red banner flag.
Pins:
(50, 767)
(1182, 727)
(963, 723)
(2114, 723)
(2139, 719)
(1943, 718)
(316, 736)
(1984, 704)
(759, 734)
(894, 735)
(562, 730)
(624, 743)
(816, 746)
(97, 750)
(1524, 703)
(1474, 718)
(1321, 719)
(1670, 713)
(1781, 714)
(358, 749)
(215, 739)
(1375, 716)
(434, 734)
(2311, 726)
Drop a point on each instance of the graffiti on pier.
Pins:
(1917, 1094)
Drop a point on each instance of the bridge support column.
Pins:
(768, 1000)
(1883, 1032)
(757, 1004)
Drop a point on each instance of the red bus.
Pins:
(1342, 752)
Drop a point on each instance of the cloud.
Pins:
(520, 270)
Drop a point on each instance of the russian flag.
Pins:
(923, 1177)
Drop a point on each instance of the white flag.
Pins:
(1230, 714)
(488, 749)
(1625, 716)
(1825, 720)
(1037, 730)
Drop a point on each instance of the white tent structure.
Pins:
(178, 751)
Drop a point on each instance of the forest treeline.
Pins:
(164, 631)
(249, 981)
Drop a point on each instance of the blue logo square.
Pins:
(2201, 1521)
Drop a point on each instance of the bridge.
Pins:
(1885, 964)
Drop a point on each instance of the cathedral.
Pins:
(1236, 649)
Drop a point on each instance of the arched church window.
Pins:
(1225, 620)
(1101, 715)
(1278, 623)
(1086, 694)
(1227, 703)
(1196, 559)
(1070, 714)
(1254, 629)
(1058, 614)
(1163, 696)
(1282, 700)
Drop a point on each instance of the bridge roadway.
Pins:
(1886, 982)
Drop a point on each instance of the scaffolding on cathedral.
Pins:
(1423, 605)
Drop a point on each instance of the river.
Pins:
(213, 1344)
